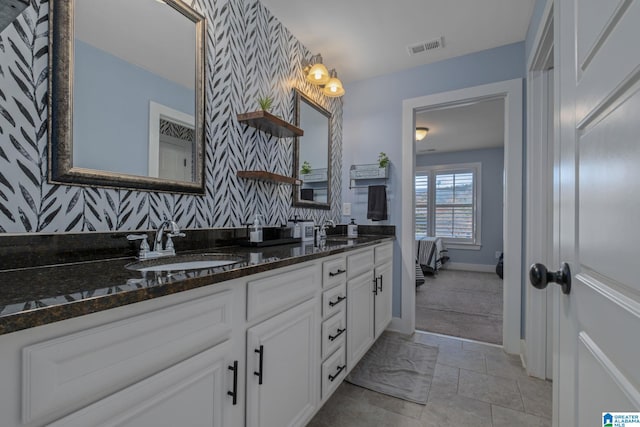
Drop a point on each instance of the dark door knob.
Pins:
(540, 277)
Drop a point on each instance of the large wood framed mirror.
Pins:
(126, 96)
(312, 154)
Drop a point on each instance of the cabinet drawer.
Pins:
(359, 263)
(334, 300)
(72, 371)
(334, 272)
(383, 253)
(334, 331)
(276, 293)
(334, 369)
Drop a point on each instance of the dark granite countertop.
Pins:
(31, 297)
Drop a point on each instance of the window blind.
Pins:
(422, 206)
(445, 203)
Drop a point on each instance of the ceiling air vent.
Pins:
(425, 46)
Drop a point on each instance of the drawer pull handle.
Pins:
(338, 333)
(260, 351)
(337, 273)
(380, 285)
(234, 393)
(375, 285)
(336, 302)
(340, 369)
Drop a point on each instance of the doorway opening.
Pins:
(511, 93)
(458, 220)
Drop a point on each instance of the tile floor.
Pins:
(464, 304)
(474, 385)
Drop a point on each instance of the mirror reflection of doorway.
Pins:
(175, 160)
(172, 144)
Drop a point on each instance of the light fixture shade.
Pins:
(318, 73)
(333, 88)
(421, 133)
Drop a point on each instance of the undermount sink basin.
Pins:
(337, 240)
(184, 262)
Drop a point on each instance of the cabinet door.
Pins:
(383, 297)
(192, 392)
(283, 368)
(360, 306)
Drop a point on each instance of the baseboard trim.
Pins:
(523, 353)
(399, 325)
(481, 268)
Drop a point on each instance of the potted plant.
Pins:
(383, 160)
(265, 102)
(306, 168)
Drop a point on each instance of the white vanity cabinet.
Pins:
(282, 351)
(334, 325)
(360, 315)
(383, 277)
(369, 297)
(164, 361)
(265, 350)
(282, 374)
(192, 392)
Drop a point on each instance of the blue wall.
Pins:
(119, 122)
(491, 181)
(372, 118)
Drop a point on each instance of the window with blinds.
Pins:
(422, 204)
(446, 205)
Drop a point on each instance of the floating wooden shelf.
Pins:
(268, 177)
(268, 123)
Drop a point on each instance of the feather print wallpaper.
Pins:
(249, 54)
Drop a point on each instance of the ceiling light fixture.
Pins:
(317, 73)
(333, 88)
(421, 133)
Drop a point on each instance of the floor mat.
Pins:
(397, 367)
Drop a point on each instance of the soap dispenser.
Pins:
(255, 231)
(352, 229)
(297, 231)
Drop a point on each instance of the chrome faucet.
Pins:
(322, 232)
(172, 230)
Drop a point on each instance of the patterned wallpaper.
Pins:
(249, 53)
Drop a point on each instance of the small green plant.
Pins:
(383, 160)
(306, 167)
(265, 102)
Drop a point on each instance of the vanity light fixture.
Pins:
(317, 73)
(333, 88)
(421, 133)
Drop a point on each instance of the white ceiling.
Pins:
(367, 38)
(466, 127)
(165, 40)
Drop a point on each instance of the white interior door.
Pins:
(596, 368)
(175, 160)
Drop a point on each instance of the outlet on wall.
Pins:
(346, 209)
